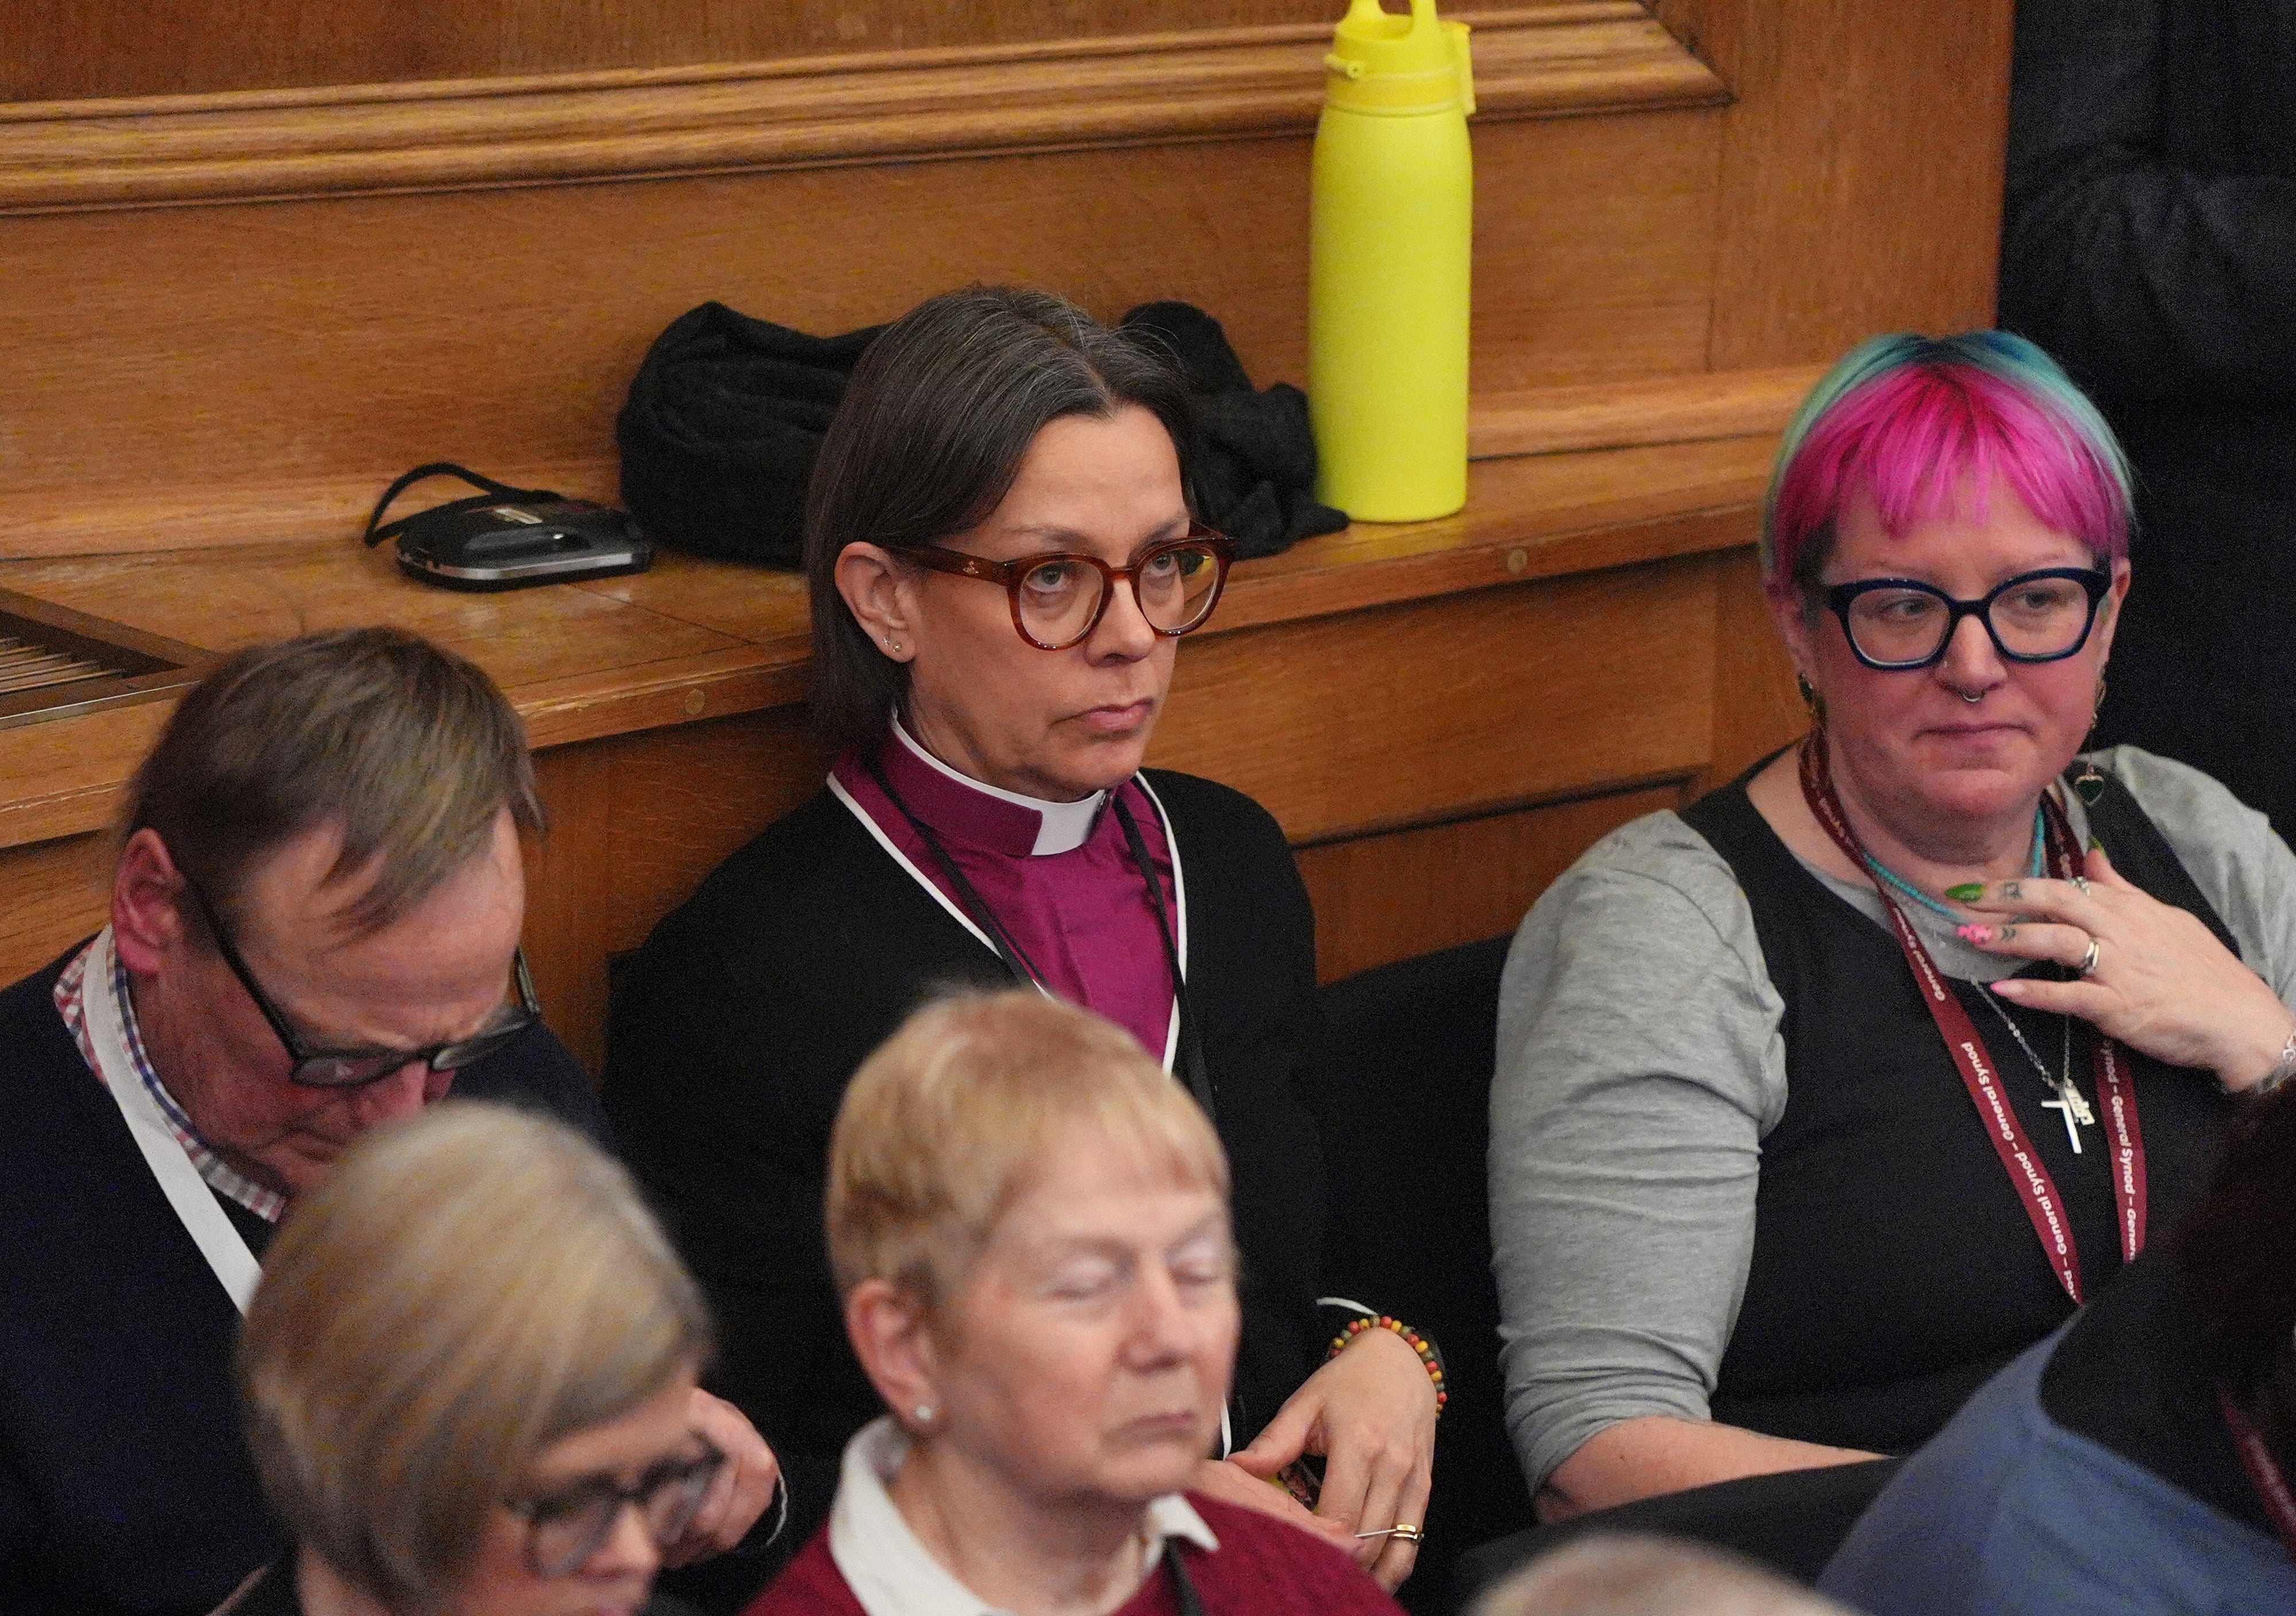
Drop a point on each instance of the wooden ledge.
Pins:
(83, 521)
(1556, 59)
(696, 640)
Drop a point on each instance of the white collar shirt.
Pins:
(892, 1574)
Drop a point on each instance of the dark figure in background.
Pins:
(2150, 245)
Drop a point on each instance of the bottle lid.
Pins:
(1384, 62)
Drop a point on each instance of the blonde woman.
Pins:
(467, 1380)
(1028, 1221)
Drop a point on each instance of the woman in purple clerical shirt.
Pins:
(1003, 559)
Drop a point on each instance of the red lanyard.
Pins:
(2263, 1470)
(2116, 1092)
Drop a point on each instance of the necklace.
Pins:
(1905, 888)
(2069, 1102)
(2115, 1087)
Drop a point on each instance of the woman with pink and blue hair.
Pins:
(1822, 1099)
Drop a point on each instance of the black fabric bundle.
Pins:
(725, 415)
(1255, 474)
(719, 433)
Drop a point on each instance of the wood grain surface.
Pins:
(205, 375)
(697, 639)
(1662, 410)
(1382, 898)
(110, 48)
(1565, 57)
(1344, 725)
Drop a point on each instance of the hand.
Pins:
(1231, 1483)
(1371, 1413)
(742, 1488)
(2163, 985)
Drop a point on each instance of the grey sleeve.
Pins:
(1640, 1063)
(2230, 850)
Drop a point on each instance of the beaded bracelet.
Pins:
(1411, 1338)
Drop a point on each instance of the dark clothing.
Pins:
(1894, 1268)
(124, 1484)
(737, 1027)
(2096, 1474)
(2149, 236)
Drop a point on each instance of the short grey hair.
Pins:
(1618, 1575)
(464, 1290)
(409, 750)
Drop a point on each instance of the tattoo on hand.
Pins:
(2013, 890)
(2008, 933)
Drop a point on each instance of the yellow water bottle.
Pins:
(1390, 234)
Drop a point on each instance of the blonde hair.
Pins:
(1616, 1574)
(953, 1118)
(464, 1289)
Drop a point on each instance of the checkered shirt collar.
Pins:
(219, 1175)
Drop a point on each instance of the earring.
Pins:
(892, 644)
(1811, 700)
(924, 1414)
(2089, 785)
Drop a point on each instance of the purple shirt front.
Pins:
(1077, 911)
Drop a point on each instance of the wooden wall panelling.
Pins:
(1565, 56)
(210, 375)
(103, 48)
(636, 821)
(1755, 708)
(154, 47)
(58, 893)
(1387, 718)
(1389, 897)
(1861, 172)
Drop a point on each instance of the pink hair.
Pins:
(1913, 424)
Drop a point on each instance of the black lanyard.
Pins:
(1193, 1069)
(1190, 1604)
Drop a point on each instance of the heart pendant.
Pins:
(2089, 785)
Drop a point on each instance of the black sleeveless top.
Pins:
(1894, 1269)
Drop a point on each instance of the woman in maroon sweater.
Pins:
(1029, 1223)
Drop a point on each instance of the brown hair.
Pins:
(953, 1117)
(464, 1290)
(933, 427)
(410, 750)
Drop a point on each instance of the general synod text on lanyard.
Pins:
(2116, 1091)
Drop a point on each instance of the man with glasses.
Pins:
(314, 930)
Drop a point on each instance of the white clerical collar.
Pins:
(892, 1574)
(1061, 827)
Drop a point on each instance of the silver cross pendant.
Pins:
(2077, 1114)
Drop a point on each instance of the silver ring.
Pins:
(2081, 882)
(1972, 698)
(2088, 961)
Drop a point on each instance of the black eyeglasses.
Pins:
(1898, 624)
(566, 1528)
(352, 1068)
(1059, 599)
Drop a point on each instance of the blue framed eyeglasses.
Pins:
(1900, 624)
